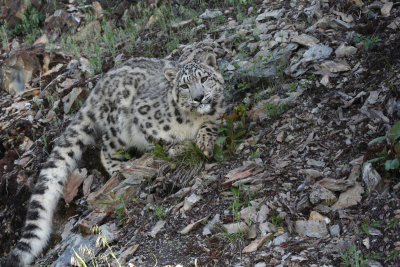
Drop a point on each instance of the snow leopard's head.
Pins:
(198, 86)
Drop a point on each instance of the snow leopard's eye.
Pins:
(184, 86)
(204, 79)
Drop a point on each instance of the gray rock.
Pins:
(341, 24)
(275, 14)
(344, 50)
(321, 194)
(306, 40)
(338, 248)
(210, 14)
(311, 175)
(314, 228)
(266, 228)
(336, 185)
(324, 209)
(303, 204)
(207, 229)
(234, 228)
(334, 230)
(281, 36)
(315, 163)
(332, 66)
(370, 177)
(349, 198)
(317, 52)
(373, 263)
(78, 243)
(260, 29)
(280, 239)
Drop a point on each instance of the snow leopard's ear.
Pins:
(210, 59)
(170, 74)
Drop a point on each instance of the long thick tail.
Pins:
(49, 187)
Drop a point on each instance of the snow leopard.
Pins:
(134, 105)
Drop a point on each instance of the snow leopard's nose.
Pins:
(198, 98)
(197, 93)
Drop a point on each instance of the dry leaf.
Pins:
(74, 181)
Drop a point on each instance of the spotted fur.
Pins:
(142, 101)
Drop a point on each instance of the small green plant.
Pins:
(230, 133)
(366, 225)
(275, 110)
(255, 154)
(393, 256)
(353, 258)
(31, 19)
(173, 43)
(367, 42)
(192, 155)
(393, 224)
(4, 35)
(276, 219)
(110, 37)
(44, 138)
(124, 152)
(160, 153)
(159, 212)
(236, 203)
(120, 209)
(242, 196)
(390, 154)
(90, 254)
(233, 237)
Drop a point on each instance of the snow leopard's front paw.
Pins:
(206, 138)
(175, 150)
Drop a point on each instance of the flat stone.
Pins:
(234, 228)
(386, 8)
(210, 225)
(94, 218)
(370, 176)
(349, 198)
(332, 66)
(190, 202)
(157, 228)
(76, 243)
(306, 40)
(315, 215)
(315, 228)
(315, 163)
(275, 14)
(262, 214)
(191, 226)
(261, 28)
(311, 174)
(334, 230)
(339, 247)
(341, 24)
(317, 52)
(210, 14)
(256, 244)
(344, 50)
(336, 185)
(279, 240)
(321, 194)
(267, 227)
(126, 253)
(248, 213)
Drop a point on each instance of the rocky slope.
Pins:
(296, 181)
